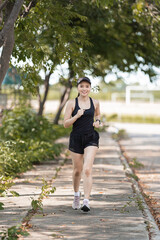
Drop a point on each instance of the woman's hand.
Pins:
(97, 124)
(80, 112)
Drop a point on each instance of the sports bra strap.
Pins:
(92, 104)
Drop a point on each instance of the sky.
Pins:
(129, 78)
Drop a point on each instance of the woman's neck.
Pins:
(85, 98)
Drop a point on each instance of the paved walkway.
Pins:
(108, 218)
(144, 145)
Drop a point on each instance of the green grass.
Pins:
(133, 119)
(135, 164)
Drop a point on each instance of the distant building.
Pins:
(12, 77)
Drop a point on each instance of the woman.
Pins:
(84, 140)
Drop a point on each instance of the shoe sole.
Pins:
(76, 208)
(85, 209)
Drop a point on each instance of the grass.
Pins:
(121, 134)
(132, 118)
(132, 175)
(135, 164)
(55, 93)
(133, 200)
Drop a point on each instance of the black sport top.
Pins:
(84, 124)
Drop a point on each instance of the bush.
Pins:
(26, 139)
(23, 123)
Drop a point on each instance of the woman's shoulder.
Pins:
(95, 102)
(71, 103)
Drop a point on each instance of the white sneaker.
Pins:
(76, 202)
(85, 207)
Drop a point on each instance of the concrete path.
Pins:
(144, 145)
(108, 219)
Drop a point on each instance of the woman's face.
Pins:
(84, 88)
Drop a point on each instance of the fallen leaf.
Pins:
(103, 220)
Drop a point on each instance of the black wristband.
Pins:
(98, 120)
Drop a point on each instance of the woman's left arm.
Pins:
(97, 122)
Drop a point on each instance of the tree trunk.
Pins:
(42, 101)
(7, 33)
(66, 94)
(64, 99)
(6, 54)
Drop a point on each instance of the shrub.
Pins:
(26, 139)
(23, 123)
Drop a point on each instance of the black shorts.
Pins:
(78, 142)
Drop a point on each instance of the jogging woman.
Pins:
(84, 140)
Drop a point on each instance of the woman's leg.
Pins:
(77, 160)
(89, 155)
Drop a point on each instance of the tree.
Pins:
(125, 35)
(118, 32)
(49, 40)
(9, 12)
(120, 37)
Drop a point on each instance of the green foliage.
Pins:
(48, 39)
(13, 233)
(5, 183)
(46, 189)
(36, 204)
(23, 123)
(15, 194)
(132, 175)
(133, 200)
(121, 134)
(1, 206)
(26, 139)
(136, 164)
(133, 118)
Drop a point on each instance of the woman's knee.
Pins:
(87, 171)
(77, 172)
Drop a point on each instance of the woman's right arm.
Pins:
(68, 120)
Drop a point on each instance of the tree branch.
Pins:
(3, 5)
(10, 22)
(27, 9)
(42, 102)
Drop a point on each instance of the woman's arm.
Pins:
(68, 120)
(97, 122)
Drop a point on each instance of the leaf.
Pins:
(15, 194)
(103, 220)
(1, 206)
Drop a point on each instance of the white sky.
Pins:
(130, 78)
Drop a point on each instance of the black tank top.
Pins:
(84, 124)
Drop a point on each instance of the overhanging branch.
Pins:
(27, 8)
(11, 20)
